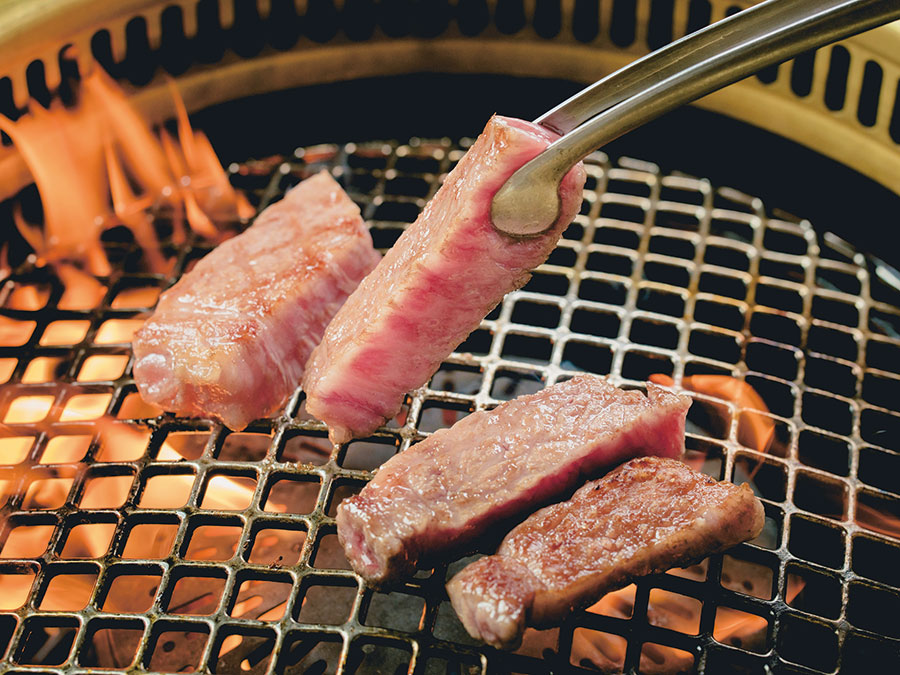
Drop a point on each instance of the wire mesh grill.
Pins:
(137, 539)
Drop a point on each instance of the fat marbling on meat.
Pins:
(231, 338)
(493, 465)
(644, 517)
(435, 285)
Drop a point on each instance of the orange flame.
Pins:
(760, 427)
(85, 160)
(877, 520)
(674, 612)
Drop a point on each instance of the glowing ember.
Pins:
(84, 160)
(65, 332)
(118, 442)
(102, 367)
(27, 542)
(85, 407)
(14, 449)
(42, 369)
(117, 331)
(15, 333)
(136, 298)
(27, 409)
(15, 589)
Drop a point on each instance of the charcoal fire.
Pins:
(85, 159)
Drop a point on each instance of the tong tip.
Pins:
(526, 211)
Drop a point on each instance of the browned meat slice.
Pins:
(492, 465)
(231, 338)
(444, 274)
(646, 516)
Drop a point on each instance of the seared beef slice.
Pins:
(231, 338)
(433, 288)
(646, 516)
(492, 465)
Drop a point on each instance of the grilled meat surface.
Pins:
(492, 465)
(231, 338)
(435, 285)
(646, 516)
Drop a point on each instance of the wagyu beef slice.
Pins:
(646, 516)
(451, 487)
(231, 338)
(443, 275)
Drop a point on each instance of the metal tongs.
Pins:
(725, 52)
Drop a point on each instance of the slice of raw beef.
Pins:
(433, 288)
(231, 338)
(645, 517)
(492, 465)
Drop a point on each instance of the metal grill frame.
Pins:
(671, 215)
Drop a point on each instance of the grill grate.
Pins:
(134, 537)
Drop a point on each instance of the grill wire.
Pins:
(659, 273)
